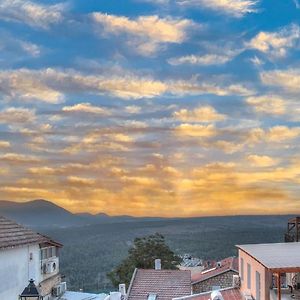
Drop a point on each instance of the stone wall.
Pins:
(47, 285)
(224, 280)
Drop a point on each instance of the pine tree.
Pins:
(142, 255)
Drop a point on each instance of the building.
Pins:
(218, 275)
(26, 255)
(157, 284)
(270, 271)
(293, 230)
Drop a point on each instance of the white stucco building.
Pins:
(26, 255)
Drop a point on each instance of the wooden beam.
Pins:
(278, 286)
(285, 270)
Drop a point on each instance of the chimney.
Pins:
(157, 264)
(122, 289)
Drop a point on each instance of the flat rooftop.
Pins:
(275, 255)
(82, 296)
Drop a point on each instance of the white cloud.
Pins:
(133, 109)
(194, 87)
(18, 158)
(27, 85)
(195, 130)
(146, 34)
(31, 13)
(235, 8)
(50, 85)
(262, 160)
(269, 104)
(17, 47)
(276, 134)
(13, 115)
(30, 48)
(288, 80)
(4, 144)
(86, 108)
(204, 60)
(199, 114)
(276, 44)
(256, 61)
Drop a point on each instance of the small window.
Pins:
(152, 297)
(48, 252)
(249, 276)
(242, 269)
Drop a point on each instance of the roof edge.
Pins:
(202, 294)
(212, 276)
(131, 282)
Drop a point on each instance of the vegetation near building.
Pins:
(142, 255)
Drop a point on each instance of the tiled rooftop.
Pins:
(14, 235)
(227, 264)
(166, 284)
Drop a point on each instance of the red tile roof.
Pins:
(228, 294)
(14, 235)
(166, 284)
(227, 264)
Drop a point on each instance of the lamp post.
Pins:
(30, 292)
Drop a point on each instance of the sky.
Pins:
(151, 107)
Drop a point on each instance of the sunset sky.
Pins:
(151, 107)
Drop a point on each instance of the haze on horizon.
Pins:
(151, 108)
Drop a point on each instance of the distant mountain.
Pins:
(39, 213)
(43, 213)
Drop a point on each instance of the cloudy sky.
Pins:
(151, 107)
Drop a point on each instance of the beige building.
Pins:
(270, 271)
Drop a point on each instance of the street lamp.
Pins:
(31, 292)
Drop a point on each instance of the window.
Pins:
(152, 297)
(258, 288)
(242, 268)
(249, 276)
(48, 252)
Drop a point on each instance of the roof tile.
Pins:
(14, 235)
(166, 284)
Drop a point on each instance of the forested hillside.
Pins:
(91, 251)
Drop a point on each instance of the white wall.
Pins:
(16, 269)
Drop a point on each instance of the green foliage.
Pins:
(142, 255)
(90, 252)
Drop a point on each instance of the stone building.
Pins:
(217, 276)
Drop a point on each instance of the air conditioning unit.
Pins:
(59, 289)
(216, 295)
(56, 291)
(50, 266)
(236, 281)
(248, 296)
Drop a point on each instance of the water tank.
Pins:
(157, 264)
(114, 296)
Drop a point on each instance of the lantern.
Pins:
(31, 292)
